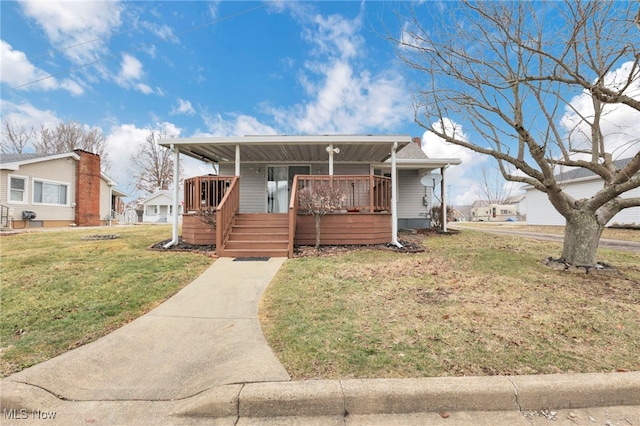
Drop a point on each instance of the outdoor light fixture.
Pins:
(330, 149)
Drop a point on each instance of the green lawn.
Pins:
(59, 291)
(472, 304)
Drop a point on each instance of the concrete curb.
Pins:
(405, 396)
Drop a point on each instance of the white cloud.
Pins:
(26, 115)
(123, 142)
(620, 124)
(17, 71)
(143, 88)
(79, 29)
(238, 125)
(344, 96)
(184, 107)
(336, 35)
(462, 178)
(131, 73)
(163, 31)
(130, 69)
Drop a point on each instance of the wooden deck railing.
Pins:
(363, 193)
(226, 212)
(205, 191)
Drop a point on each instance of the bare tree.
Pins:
(516, 72)
(491, 187)
(319, 200)
(154, 164)
(15, 138)
(66, 137)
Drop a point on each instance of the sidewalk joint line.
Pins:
(515, 392)
(345, 413)
(238, 405)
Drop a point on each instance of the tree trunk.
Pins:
(317, 232)
(581, 237)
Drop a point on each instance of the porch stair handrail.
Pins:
(226, 212)
(293, 214)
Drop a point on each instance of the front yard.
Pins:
(60, 291)
(472, 304)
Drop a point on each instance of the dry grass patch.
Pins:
(472, 304)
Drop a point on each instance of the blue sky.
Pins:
(203, 68)
(217, 68)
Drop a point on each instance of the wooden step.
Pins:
(264, 228)
(256, 235)
(256, 245)
(249, 235)
(254, 253)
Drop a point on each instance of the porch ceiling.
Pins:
(277, 149)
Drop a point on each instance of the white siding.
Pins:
(410, 195)
(253, 186)
(105, 199)
(541, 212)
(160, 213)
(61, 170)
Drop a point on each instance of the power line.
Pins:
(140, 47)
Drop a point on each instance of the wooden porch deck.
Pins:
(363, 218)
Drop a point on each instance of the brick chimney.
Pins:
(87, 189)
(417, 140)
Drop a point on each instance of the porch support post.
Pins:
(176, 187)
(443, 191)
(330, 150)
(394, 197)
(238, 160)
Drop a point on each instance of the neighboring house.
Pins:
(380, 177)
(520, 203)
(48, 190)
(579, 183)
(482, 211)
(458, 214)
(158, 207)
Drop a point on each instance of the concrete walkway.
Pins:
(206, 335)
(201, 358)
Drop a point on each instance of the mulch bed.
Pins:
(410, 241)
(181, 246)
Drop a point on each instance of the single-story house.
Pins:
(49, 190)
(579, 183)
(482, 211)
(158, 207)
(259, 177)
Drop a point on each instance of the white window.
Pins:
(17, 189)
(50, 193)
(152, 210)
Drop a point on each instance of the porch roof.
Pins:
(289, 148)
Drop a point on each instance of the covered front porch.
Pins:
(213, 216)
(249, 207)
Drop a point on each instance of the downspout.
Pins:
(394, 198)
(176, 187)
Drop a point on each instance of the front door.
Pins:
(279, 182)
